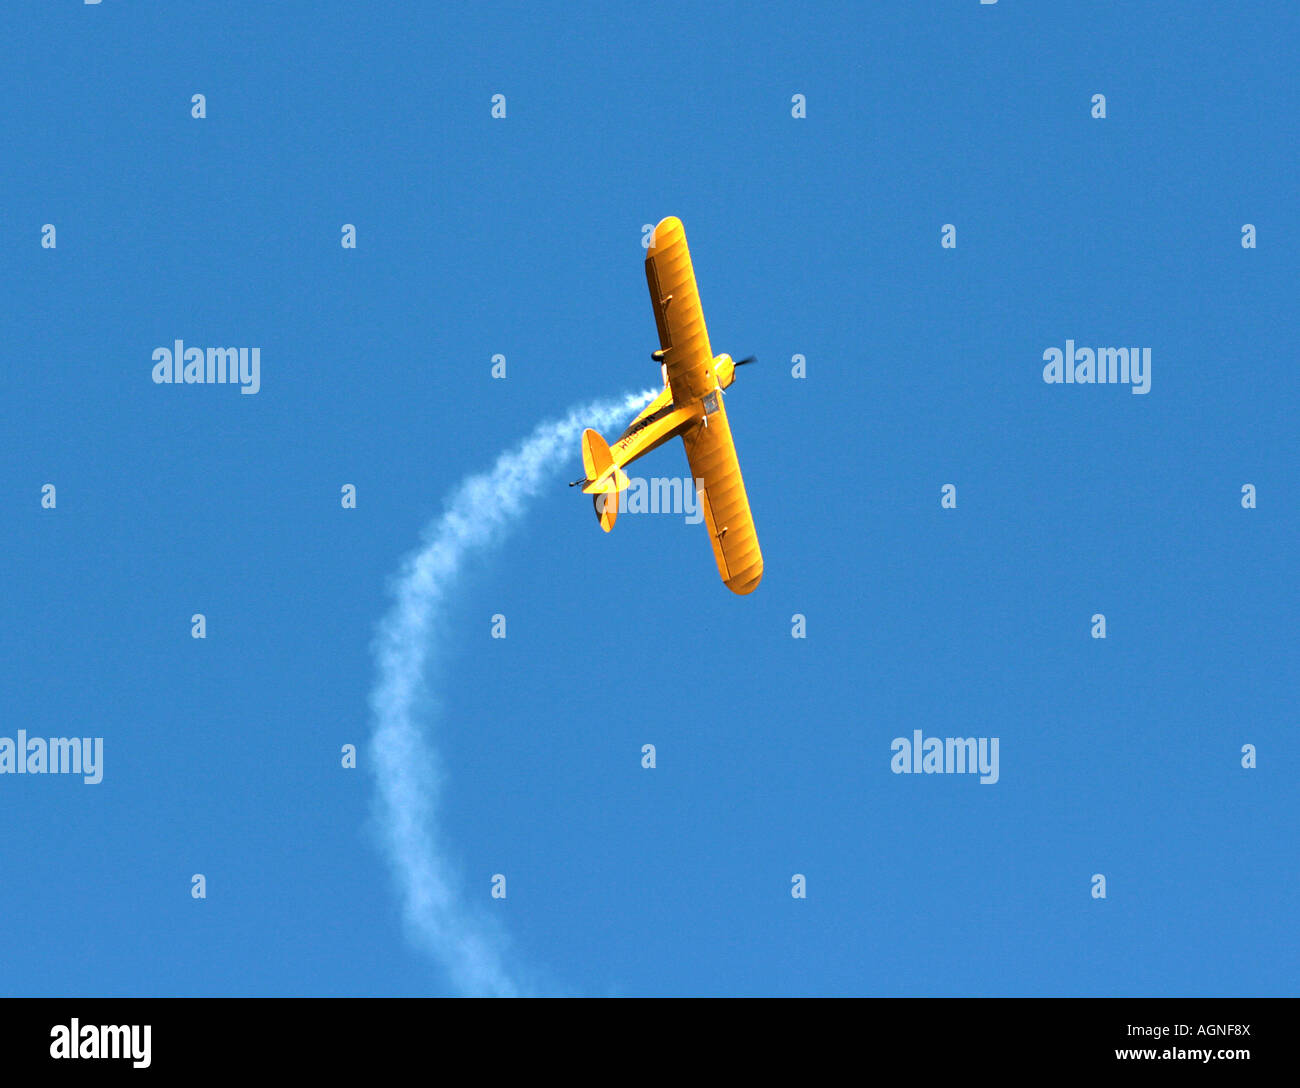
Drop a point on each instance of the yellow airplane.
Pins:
(691, 405)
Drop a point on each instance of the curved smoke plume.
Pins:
(403, 756)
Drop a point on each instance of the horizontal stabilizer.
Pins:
(606, 509)
(603, 476)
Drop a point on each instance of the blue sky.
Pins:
(522, 236)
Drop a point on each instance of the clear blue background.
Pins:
(523, 237)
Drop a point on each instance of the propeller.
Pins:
(735, 363)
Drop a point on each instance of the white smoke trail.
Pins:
(402, 756)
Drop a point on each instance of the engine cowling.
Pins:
(725, 370)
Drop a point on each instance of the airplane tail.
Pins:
(604, 478)
(606, 509)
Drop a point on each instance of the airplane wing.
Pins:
(688, 359)
(711, 454)
(683, 339)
